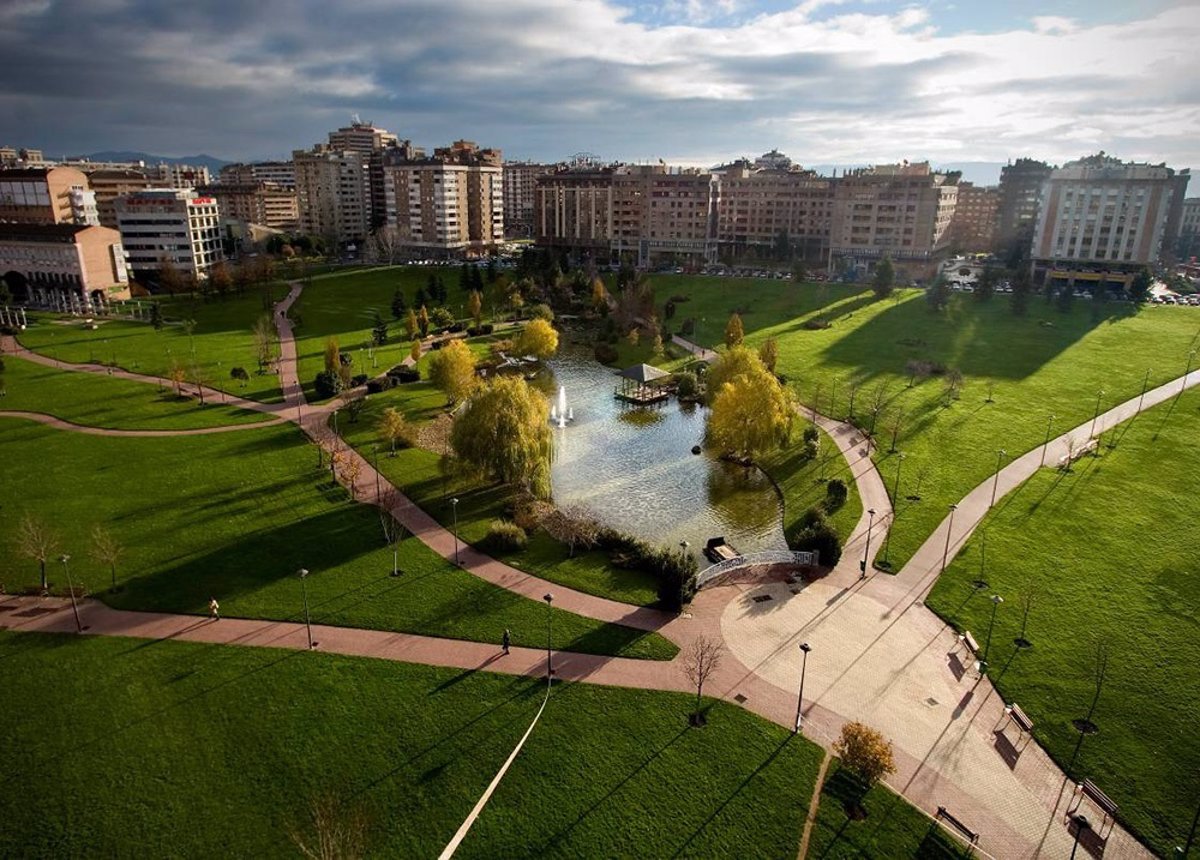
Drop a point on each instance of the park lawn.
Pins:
(128, 747)
(802, 483)
(1044, 363)
(221, 340)
(416, 473)
(234, 515)
(1108, 552)
(100, 401)
(892, 829)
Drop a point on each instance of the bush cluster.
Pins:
(476, 331)
(503, 536)
(380, 383)
(813, 532)
(674, 571)
(327, 384)
(401, 374)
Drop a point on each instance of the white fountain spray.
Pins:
(562, 406)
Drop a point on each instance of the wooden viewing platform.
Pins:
(643, 385)
(642, 396)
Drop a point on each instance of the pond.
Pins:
(634, 469)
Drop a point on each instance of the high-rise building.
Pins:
(1020, 198)
(111, 183)
(178, 175)
(162, 225)
(900, 211)
(334, 194)
(976, 215)
(573, 209)
(45, 195)
(256, 203)
(664, 214)
(281, 173)
(1102, 220)
(361, 137)
(1188, 245)
(520, 188)
(86, 260)
(452, 202)
(773, 208)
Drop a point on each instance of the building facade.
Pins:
(178, 175)
(256, 203)
(333, 193)
(520, 189)
(167, 225)
(281, 173)
(573, 209)
(663, 214)
(773, 208)
(111, 183)
(901, 211)
(1102, 220)
(45, 195)
(1188, 245)
(976, 218)
(85, 260)
(1020, 192)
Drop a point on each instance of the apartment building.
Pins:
(86, 260)
(170, 225)
(976, 218)
(520, 189)
(450, 203)
(573, 209)
(1188, 245)
(260, 203)
(281, 173)
(362, 137)
(45, 195)
(1020, 198)
(773, 205)
(109, 183)
(333, 193)
(664, 214)
(1102, 220)
(902, 211)
(178, 175)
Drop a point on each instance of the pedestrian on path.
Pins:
(214, 609)
(506, 640)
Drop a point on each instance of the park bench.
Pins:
(1020, 718)
(1067, 459)
(944, 814)
(969, 641)
(1089, 790)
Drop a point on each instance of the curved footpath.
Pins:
(62, 424)
(878, 655)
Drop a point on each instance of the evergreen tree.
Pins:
(885, 278)
(464, 278)
(399, 306)
(421, 299)
(379, 334)
(1139, 289)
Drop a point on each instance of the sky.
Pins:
(688, 81)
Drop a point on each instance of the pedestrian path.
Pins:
(62, 424)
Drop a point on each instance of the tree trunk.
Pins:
(45, 585)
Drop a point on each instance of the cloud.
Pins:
(824, 80)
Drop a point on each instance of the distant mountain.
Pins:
(213, 164)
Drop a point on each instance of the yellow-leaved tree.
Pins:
(394, 429)
(734, 332)
(538, 339)
(475, 307)
(452, 369)
(751, 412)
(865, 752)
(503, 433)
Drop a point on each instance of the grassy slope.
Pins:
(1043, 363)
(124, 747)
(100, 401)
(222, 340)
(417, 474)
(234, 515)
(1111, 548)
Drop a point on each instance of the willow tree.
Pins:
(503, 433)
(751, 412)
(452, 369)
(538, 339)
(737, 360)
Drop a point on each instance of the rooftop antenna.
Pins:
(354, 118)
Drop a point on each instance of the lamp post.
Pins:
(1142, 396)
(454, 507)
(1000, 455)
(1081, 824)
(549, 598)
(862, 565)
(376, 451)
(804, 649)
(949, 529)
(303, 574)
(1096, 414)
(1182, 851)
(887, 538)
(987, 646)
(1049, 423)
(64, 558)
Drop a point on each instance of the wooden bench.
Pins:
(969, 640)
(1020, 718)
(971, 835)
(1088, 789)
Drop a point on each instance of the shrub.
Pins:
(327, 384)
(811, 449)
(358, 379)
(686, 384)
(606, 353)
(541, 312)
(813, 532)
(817, 324)
(688, 328)
(441, 318)
(676, 578)
(503, 536)
(835, 495)
(402, 375)
(679, 298)
(811, 433)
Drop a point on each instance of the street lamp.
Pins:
(454, 507)
(804, 648)
(303, 574)
(862, 565)
(64, 558)
(1046, 444)
(987, 646)
(1000, 455)
(549, 598)
(1081, 824)
(887, 538)
(949, 529)
(376, 450)
(1096, 414)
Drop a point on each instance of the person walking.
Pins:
(214, 609)
(506, 640)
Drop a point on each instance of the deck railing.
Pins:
(754, 559)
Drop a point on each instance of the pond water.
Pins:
(634, 469)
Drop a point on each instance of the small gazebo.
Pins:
(642, 383)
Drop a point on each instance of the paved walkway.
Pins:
(61, 424)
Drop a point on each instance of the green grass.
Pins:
(124, 747)
(1034, 366)
(802, 483)
(221, 340)
(101, 401)
(892, 829)
(1111, 549)
(416, 473)
(234, 516)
